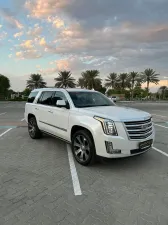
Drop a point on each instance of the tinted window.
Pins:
(46, 98)
(32, 96)
(58, 96)
(89, 99)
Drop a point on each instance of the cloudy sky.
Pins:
(45, 36)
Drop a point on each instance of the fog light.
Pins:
(110, 150)
(109, 147)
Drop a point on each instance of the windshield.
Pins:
(89, 99)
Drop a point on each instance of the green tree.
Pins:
(91, 79)
(133, 75)
(65, 80)
(111, 80)
(150, 76)
(4, 84)
(101, 89)
(26, 91)
(35, 81)
(81, 83)
(123, 80)
(163, 90)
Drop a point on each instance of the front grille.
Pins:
(139, 129)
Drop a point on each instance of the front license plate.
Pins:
(145, 144)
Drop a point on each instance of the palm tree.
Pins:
(91, 79)
(150, 76)
(65, 80)
(111, 80)
(81, 83)
(35, 81)
(139, 81)
(163, 90)
(133, 75)
(123, 77)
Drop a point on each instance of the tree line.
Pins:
(90, 79)
(129, 84)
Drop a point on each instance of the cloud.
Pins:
(28, 54)
(19, 34)
(3, 35)
(56, 22)
(27, 44)
(77, 64)
(35, 31)
(43, 8)
(42, 42)
(10, 19)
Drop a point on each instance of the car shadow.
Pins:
(129, 163)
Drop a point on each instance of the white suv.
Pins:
(91, 122)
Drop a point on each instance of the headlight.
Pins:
(109, 127)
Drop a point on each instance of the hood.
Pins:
(117, 113)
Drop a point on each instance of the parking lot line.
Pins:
(158, 150)
(159, 110)
(160, 125)
(74, 175)
(159, 115)
(5, 132)
(2, 113)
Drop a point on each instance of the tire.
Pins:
(83, 148)
(33, 129)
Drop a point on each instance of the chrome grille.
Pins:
(139, 129)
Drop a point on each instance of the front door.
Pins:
(59, 117)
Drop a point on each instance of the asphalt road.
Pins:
(37, 184)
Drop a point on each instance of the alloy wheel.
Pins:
(81, 148)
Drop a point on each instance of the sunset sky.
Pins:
(45, 36)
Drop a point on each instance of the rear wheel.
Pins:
(33, 129)
(83, 148)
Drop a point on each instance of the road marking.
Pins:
(160, 125)
(23, 119)
(159, 111)
(74, 175)
(158, 150)
(7, 127)
(159, 115)
(5, 132)
(2, 113)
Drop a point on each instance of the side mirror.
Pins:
(61, 103)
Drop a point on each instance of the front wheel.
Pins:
(33, 129)
(83, 148)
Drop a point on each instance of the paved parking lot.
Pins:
(36, 186)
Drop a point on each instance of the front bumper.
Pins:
(121, 142)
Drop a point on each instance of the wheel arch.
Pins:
(76, 128)
(30, 115)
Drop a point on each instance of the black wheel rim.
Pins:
(81, 148)
(31, 128)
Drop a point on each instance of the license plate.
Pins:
(145, 144)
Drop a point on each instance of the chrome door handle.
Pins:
(50, 111)
(36, 108)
